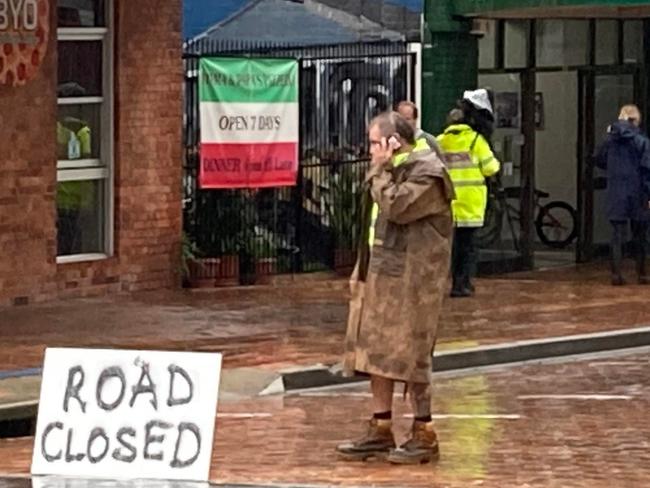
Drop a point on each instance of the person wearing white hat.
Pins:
(470, 160)
(480, 99)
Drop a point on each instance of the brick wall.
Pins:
(27, 178)
(148, 143)
(148, 166)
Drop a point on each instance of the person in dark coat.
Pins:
(625, 155)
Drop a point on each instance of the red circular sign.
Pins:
(24, 33)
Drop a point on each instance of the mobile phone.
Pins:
(394, 143)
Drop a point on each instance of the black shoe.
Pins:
(461, 293)
(617, 280)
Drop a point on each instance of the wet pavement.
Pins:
(304, 323)
(564, 424)
(52, 482)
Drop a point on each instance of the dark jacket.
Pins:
(625, 155)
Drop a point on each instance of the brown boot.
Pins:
(421, 448)
(377, 442)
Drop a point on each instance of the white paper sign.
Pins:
(63, 482)
(127, 414)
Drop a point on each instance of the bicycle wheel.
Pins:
(556, 224)
(491, 230)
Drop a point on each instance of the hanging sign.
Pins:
(24, 33)
(126, 414)
(249, 122)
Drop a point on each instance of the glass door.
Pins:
(504, 242)
(601, 95)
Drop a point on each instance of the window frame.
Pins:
(101, 168)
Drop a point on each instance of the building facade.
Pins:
(90, 153)
(560, 70)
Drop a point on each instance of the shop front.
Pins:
(90, 162)
(559, 75)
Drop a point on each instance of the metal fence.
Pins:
(245, 236)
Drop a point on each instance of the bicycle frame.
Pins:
(513, 214)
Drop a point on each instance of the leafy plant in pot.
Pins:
(228, 271)
(342, 203)
(258, 256)
(221, 227)
(190, 262)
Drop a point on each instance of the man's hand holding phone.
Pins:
(383, 156)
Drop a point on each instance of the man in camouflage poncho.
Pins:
(398, 286)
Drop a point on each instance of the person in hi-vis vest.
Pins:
(73, 197)
(469, 158)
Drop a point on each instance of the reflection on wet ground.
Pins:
(52, 482)
(572, 424)
(304, 324)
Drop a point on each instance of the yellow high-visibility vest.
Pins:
(469, 160)
(65, 131)
(420, 145)
(74, 195)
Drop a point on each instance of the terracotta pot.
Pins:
(264, 269)
(228, 272)
(211, 272)
(203, 272)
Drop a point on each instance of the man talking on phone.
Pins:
(398, 286)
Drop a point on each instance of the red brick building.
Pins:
(90, 152)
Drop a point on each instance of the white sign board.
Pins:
(127, 414)
(63, 482)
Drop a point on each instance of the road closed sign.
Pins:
(127, 414)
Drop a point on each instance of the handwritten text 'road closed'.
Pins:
(127, 414)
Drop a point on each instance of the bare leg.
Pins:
(382, 393)
(420, 396)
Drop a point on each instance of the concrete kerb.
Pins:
(493, 355)
(247, 382)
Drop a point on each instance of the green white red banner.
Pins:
(249, 122)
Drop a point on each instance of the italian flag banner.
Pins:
(249, 122)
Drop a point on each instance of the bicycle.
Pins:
(555, 222)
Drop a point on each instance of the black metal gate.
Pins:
(244, 236)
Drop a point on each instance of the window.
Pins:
(562, 43)
(84, 131)
(487, 45)
(516, 41)
(606, 42)
(633, 41)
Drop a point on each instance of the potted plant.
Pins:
(258, 260)
(342, 203)
(193, 270)
(219, 225)
(265, 258)
(227, 273)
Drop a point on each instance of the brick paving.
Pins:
(574, 424)
(304, 323)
